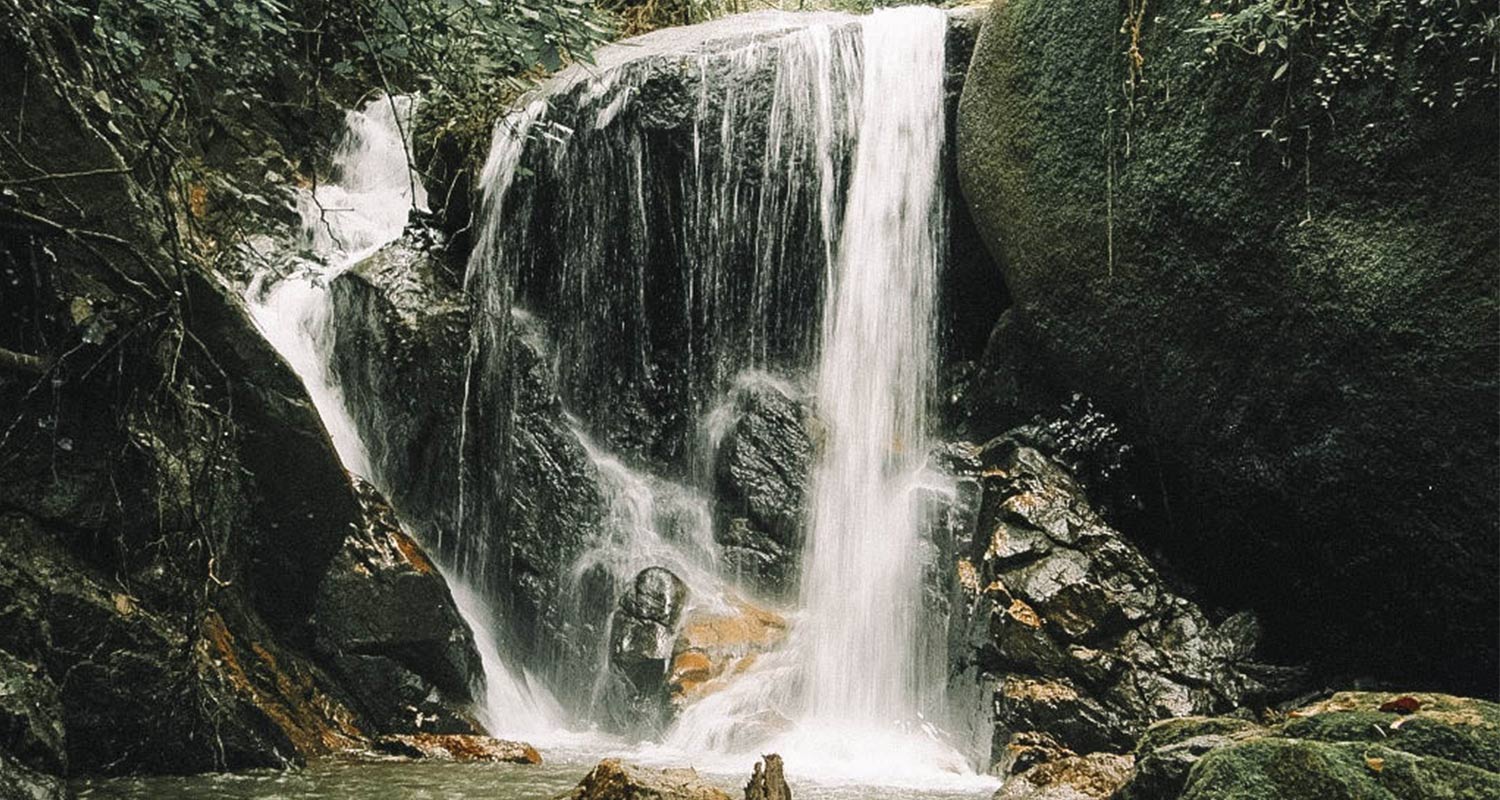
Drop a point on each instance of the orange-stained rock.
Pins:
(712, 647)
(458, 747)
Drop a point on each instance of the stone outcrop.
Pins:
(1282, 288)
(1086, 642)
(387, 622)
(1095, 776)
(461, 748)
(762, 468)
(613, 779)
(1420, 747)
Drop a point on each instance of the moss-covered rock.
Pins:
(1343, 747)
(1289, 303)
(1298, 769)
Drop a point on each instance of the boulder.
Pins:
(1276, 271)
(1088, 642)
(613, 779)
(1421, 746)
(462, 748)
(1068, 777)
(644, 626)
(386, 619)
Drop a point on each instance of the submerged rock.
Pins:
(613, 779)
(1087, 642)
(386, 620)
(457, 747)
(1343, 747)
(768, 782)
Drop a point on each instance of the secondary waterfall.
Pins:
(365, 206)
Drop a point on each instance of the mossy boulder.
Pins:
(1437, 746)
(1284, 291)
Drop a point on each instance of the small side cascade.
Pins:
(364, 207)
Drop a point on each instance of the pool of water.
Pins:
(338, 779)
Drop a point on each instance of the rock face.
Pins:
(401, 348)
(386, 620)
(1344, 747)
(616, 780)
(761, 470)
(170, 503)
(1299, 323)
(1087, 643)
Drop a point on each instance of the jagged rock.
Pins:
(18, 782)
(768, 782)
(613, 779)
(1345, 746)
(31, 729)
(761, 472)
(1087, 642)
(386, 618)
(457, 747)
(1069, 777)
(713, 645)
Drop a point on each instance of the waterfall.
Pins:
(758, 199)
(364, 207)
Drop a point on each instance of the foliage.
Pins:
(1443, 52)
(227, 49)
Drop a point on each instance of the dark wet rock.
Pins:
(1303, 343)
(31, 728)
(1087, 641)
(762, 468)
(768, 781)
(613, 779)
(1345, 746)
(1095, 776)
(399, 347)
(642, 632)
(457, 747)
(387, 620)
(19, 782)
(644, 626)
(401, 353)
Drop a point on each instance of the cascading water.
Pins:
(767, 204)
(862, 591)
(672, 248)
(365, 207)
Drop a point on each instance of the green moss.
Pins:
(1294, 769)
(1180, 729)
